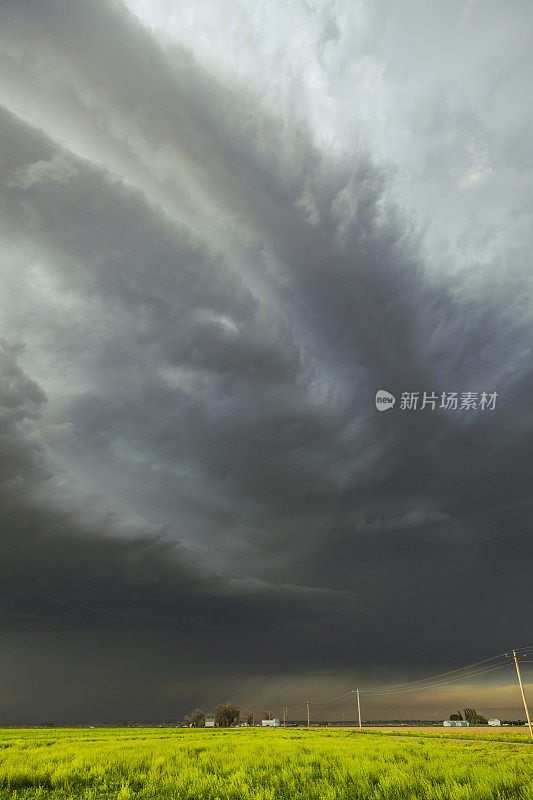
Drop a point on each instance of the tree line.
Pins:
(226, 715)
(471, 716)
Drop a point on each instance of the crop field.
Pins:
(518, 734)
(296, 764)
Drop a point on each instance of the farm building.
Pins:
(494, 722)
(270, 723)
(456, 723)
(209, 722)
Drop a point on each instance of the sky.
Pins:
(225, 227)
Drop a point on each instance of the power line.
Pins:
(439, 675)
(473, 670)
(444, 682)
(333, 699)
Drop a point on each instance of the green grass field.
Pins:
(519, 735)
(319, 764)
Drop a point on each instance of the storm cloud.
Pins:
(222, 234)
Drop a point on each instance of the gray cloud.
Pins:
(206, 279)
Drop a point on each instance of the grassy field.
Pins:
(319, 764)
(518, 734)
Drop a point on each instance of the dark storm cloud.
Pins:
(66, 566)
(209, 300)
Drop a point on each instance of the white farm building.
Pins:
(455, 723)
(270, 723)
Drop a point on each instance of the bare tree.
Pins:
(227, 714)
(198, 718)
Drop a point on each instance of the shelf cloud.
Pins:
(223, 234)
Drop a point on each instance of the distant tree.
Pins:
(456, 716)
(227, 714)
(473, 717)
(197, 718)
(249, 718)
(187, 720)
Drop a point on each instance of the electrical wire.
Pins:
(468, 672)
(442, 674)
(446, 682)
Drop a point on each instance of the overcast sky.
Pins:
(225, 225)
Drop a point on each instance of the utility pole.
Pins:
(307, 714)
(253, 719)
(285, 717)
(359, 709)
(342, 712)
(521, 688)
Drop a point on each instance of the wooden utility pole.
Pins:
(359, 708)
(308, 714)
(285, 716)
(521, 688)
